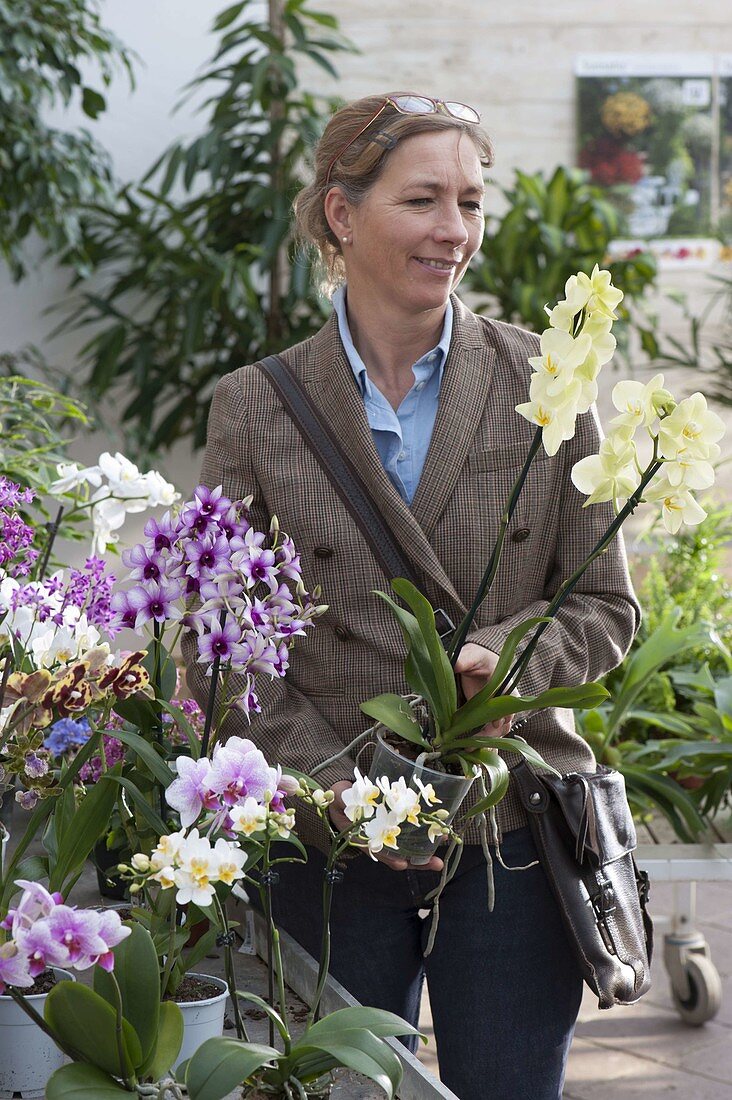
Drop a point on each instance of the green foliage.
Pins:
(47, 174)
(350, 1037)
(552, 228)
(668, 724)
(85, 1023)
(428, 672)
(197, 281)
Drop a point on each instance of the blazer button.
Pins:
(323, 551)
(521, 534)
(341, 633)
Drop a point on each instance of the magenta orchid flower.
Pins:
(14, 969)
(190, 793)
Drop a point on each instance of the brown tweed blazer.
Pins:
(478, 446)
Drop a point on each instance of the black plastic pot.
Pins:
(105, 861)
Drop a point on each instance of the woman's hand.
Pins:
(391, 859)
(475, 666)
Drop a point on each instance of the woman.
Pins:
(421, 392)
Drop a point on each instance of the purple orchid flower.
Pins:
(190, 792)
(235, 522)
(261, 656)
(81, 931)
(112, 931)
(36, 903)
(144, 563)
(206, 554)
(14, 968)
(124, 614)
(223, 642)
(288, 559)
(238, 770)
(155, 601)
(162, 533)
(206, 509)
(41, 948)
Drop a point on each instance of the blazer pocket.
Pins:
(504, 458)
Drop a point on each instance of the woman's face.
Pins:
(414, 234)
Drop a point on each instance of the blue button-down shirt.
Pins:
(401, 437)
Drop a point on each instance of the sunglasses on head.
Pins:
(408, 103)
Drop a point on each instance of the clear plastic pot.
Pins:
(414, 843)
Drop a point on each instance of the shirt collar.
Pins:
(357, 364)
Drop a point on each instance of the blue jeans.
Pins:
(504, 987)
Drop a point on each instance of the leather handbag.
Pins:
(581, 823)
(585, 838)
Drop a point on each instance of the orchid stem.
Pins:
(461, 633)
(516, 671)
(211, 702)
(52, 532)
(241, 1032)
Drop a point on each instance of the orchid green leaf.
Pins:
(169, 1042)
(90, 823)
(418, 666)
(393, 711)
(475, 713)
(508, 649)
(423, 611)
(365, 1053)
(136, 974)
(220, 1064)
(85, 1022)
(81, 1081)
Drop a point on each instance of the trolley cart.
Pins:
(696, 987)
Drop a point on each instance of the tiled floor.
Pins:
(645, 1052)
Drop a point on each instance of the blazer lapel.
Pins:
(464, 391)
(327, 375)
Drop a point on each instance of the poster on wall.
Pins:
(646, 134)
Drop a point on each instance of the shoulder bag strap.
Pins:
(344, 477)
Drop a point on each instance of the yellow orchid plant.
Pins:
(683, 443)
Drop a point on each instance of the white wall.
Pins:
(514, 61)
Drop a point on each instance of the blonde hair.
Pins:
(358, 169)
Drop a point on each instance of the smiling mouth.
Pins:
(438, 265)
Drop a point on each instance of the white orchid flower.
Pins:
(691, 470)
(638, 404)
(575, 299)
(160, 493)
(359, 801)
(677, 505)
(167, 850)
(165, 876)
(197, 870)
(611, 474)
(602, 296)
(691, 428)
(231, 860)
(71, 475)
(401, 799)
(427, 791)
(556, 414)
(382, 830)
(248, 817)
(561, 355)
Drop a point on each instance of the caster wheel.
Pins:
(705, 991)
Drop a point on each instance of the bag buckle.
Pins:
(604, 900)
(644, 886)
(443, 623)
